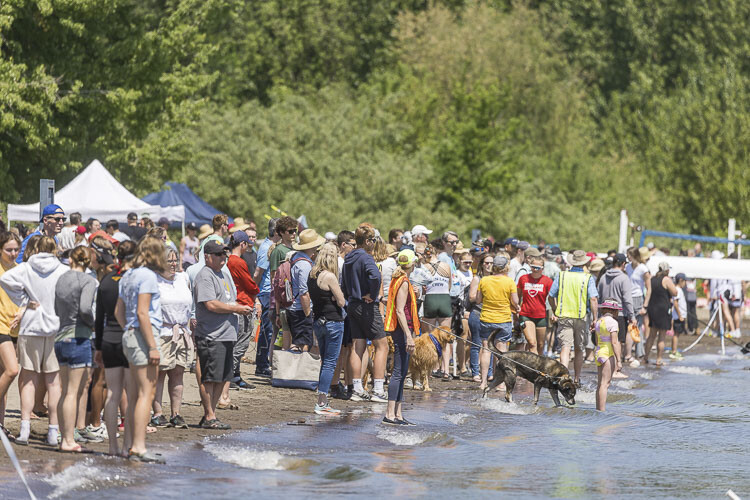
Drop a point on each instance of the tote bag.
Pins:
(297, 370)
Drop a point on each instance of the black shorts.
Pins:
(215, 357)
(678, 327)
(112, 355)
(622, 334)
(7, 338)
(347, 340)
(365, 321)
(301, 327)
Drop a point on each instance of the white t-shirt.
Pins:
(636, 278)
(681, 303)
(176, 303)
(386, 271)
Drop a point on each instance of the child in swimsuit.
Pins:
(607, 351)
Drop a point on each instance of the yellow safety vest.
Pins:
(571, 295)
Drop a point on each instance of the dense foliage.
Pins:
(537, 119)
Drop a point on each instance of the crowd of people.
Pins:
(99, 317)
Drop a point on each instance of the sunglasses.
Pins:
(488, 263)
(291, 231)
(58, 219)
(454, 242)
(537, 268)
(466, 262)
(372, 240)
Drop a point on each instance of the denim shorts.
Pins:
(74, 352)
(504, 335)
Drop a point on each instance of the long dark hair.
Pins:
(480, 267)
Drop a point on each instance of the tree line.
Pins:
(536, 119)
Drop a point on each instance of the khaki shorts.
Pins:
(37, 354)
(135, 347)
(572, 332)
(175, 351)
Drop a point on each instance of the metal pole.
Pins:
(623, 231)
(721, 324)
(730, 236)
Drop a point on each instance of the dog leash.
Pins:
(494, 351)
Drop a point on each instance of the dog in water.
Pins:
(509, 366)
(425, 356)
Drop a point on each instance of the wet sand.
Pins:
(261, 406)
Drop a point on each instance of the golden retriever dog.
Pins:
(370, 356)
(425, 356)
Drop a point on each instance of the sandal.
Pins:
(477, 379)
(8, 434)
(227, 406)
(215, 424)
(146, 457)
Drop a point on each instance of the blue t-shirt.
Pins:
(262, 262)
(135, 282)
(25, 242)
(301, 267)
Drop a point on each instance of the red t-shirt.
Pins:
(534, 295)
(246, 287)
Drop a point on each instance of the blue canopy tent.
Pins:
(175, 193)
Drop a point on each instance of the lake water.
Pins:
(679, 431)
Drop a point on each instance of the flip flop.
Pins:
(228, 406)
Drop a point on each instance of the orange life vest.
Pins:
(391, 317)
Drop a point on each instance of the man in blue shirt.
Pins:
(262, 276)
(51, 223)
(299, 314)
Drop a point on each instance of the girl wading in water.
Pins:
(402, 320)
(608, 357)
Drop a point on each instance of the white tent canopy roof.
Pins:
(697, 267)
(96, 193)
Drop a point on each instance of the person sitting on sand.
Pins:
(608, 358)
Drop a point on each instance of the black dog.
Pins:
(557, 376)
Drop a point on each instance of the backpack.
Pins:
(282, 285)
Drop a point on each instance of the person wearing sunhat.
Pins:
(402, 320)
(572, 296)
(50, 224)
(299, 314)
(608, 357)
(239, 225)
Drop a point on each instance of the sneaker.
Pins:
(406, 422)
(360, 396)
(437, 374)
(100, 431)
(178, 422)
(326, 409)
(388, 421)
(263, 373)
(408, 383)
(244, 385)
(676, 355)
(339, 392)
(160, 421)
(379, 397)
(88, 436)
(418, 385)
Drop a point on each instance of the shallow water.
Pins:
(679, 431)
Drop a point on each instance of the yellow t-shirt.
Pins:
(496, 291)
(8, 311)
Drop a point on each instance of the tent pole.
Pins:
(183, 227)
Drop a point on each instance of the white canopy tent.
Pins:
(96, 193)
(696, 267)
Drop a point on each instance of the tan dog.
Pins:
(371, 356)
(425, 356)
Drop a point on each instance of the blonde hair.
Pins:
(380, 253)
(150, 253)
(80, 257)
(46, 245)
(328, 260)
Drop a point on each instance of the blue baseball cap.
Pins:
(511, 241)
(240, 236)
(51, 209)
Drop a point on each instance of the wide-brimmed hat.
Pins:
(239, 225)
(460, 249)
(533, 252)
(596, 265)
(610, 304)
(309, 238)
(644, 254)
(205, 231)
(578, 258)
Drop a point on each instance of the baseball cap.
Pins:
(619, 258)
(192, 226)
(523, 245)
(664, 266)
(680, 276)
(215, 248)
(554, 251)
(103, 234)
(533, 252)
(511, 241)
(406, 258)
(132, 215)
(163, 221)
(420, 229)
(239, 237)
(500, 261)
(52, 209)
